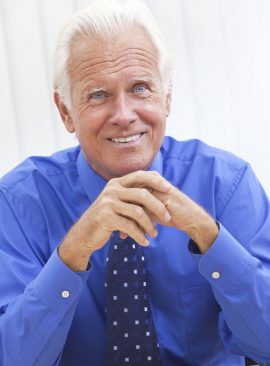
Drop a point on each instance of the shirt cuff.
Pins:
(57, 285)
(225, 262)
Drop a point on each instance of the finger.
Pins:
(130, 228)
(125, 226)
(122, 235)
(149, 179)
(138, 215)
(144, 198)
(156, 220)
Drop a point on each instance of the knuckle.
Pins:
(144, 192)
(111, 191)
(138, 211)
(107, 202)
(130, 225)
(162, 209)
(113, 182)
(140, 173)
(110, 182)
(105, 212)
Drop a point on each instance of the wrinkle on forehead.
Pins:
(114, 58)
(116, 66)
(89, 58)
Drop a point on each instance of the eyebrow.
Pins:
(94, 90)
(147, 79)
(137, 79)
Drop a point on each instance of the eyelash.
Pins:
(145, 92)
(141, 85)
(93, 95)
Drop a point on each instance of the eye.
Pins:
(98, 95)
(141, 89)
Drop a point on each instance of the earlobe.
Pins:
(64, 112)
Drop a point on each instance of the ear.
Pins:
(169, 99)
(64, 112)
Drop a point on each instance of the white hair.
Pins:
(102, 20)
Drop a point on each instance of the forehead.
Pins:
(92, 59)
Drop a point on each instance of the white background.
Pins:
(221, 89)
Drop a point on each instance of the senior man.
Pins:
(132, 248)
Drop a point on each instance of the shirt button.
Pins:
(65, 294)
(215, 275)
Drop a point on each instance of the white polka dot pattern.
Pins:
(131, 338)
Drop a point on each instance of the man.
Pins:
(197, 215)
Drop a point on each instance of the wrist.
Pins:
(204, 232)
(73, 258)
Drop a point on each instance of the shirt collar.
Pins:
(93, 184)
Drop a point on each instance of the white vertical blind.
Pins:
(221, 83)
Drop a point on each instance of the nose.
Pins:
(122, 113)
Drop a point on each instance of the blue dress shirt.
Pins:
(208, 309)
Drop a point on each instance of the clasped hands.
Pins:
(132, 205)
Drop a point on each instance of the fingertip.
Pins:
(123, 235)
(165, 186)
(146, 242)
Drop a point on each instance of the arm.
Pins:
(35, 318)
(241, 254)
(235, 261)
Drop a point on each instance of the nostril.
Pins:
(123, 121)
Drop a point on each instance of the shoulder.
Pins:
(39, 167)
(203, 172)
(196, 152)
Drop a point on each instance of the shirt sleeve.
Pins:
(37, 300)
(238, 268)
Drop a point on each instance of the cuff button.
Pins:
(65, 294)
(215, 275)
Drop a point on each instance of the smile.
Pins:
(127, 139)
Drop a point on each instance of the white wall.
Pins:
(221, 86)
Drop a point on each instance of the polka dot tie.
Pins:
(131, 338)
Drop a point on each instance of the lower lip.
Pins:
(130, 143)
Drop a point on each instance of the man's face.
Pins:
(118, 104)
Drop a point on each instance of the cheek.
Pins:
(88, 122)
(157, 106)
(155, 115)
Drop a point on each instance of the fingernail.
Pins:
(167, 217)
(155, 233)
(146, 242)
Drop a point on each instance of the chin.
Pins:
(131, 167)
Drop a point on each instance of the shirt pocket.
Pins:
(201, 313)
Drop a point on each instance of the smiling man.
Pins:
(118, 101)
(132, 248)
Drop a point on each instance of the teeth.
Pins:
(126, 139)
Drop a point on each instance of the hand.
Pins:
(189, 217)
(125, 204)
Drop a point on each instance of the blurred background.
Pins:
(221, 86)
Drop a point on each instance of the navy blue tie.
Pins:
(131, 338)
